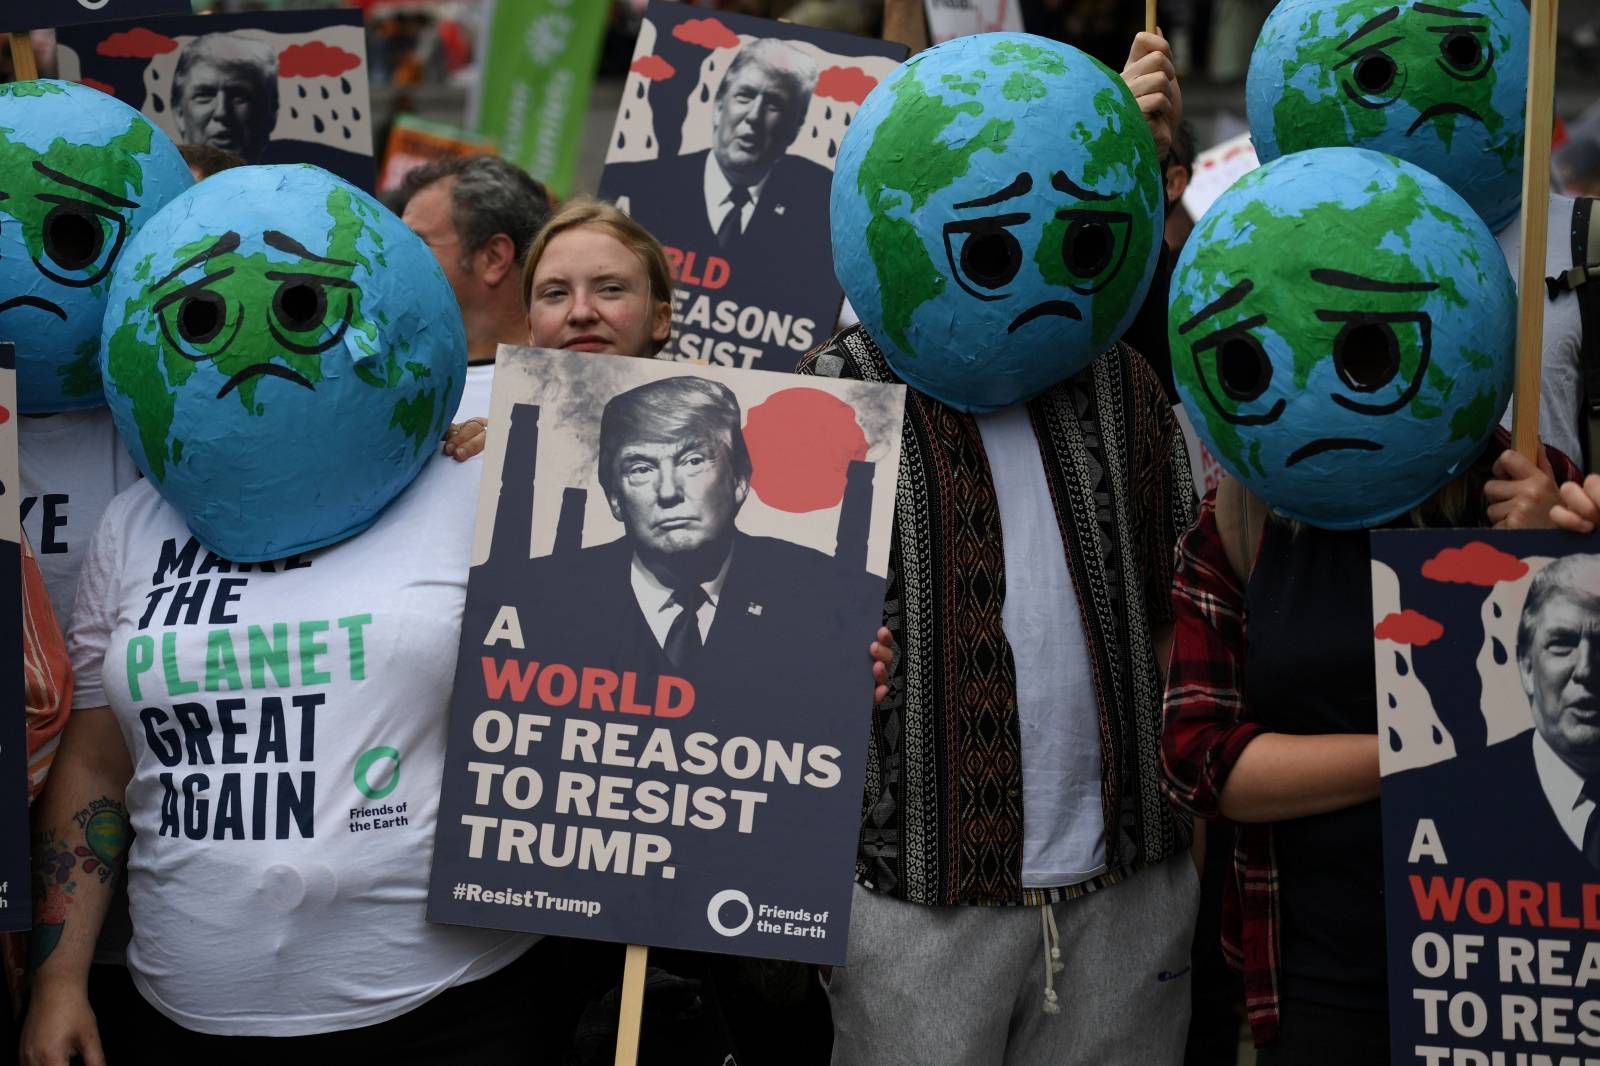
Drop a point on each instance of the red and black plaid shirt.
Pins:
(1206, 725)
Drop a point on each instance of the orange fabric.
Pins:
(47, 673)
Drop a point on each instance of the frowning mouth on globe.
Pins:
(255, 370)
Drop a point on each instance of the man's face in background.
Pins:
(677, 496)
(222, 105)
(1561, 672)
(757, 117)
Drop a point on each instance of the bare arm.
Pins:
(80, 841)
(1279, 776)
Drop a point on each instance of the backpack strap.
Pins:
(1583, 281)
(1241, 518)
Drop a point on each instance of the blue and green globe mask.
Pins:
(281, 355)
(1343, 329)
(80, 172)
(1441, 84)
(996, 216)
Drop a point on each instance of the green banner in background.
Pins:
(533, 94)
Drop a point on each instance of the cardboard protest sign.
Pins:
(415, 141)
(948, 19)
(275, 87)
(724, 148)
(532, 97)
(56, 13)
(16, 910)
(1215, 171)
(662, 696)
(1488, 695)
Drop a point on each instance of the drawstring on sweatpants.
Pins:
(1052, 958)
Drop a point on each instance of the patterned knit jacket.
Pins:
(942, 815)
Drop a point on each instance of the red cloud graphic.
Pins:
(1475, 564)
(315, 60)
(109, 90)
(847, 84)
(653, 68)
(1408, 627)
(137, 43)
(800, 479)
(707, 33)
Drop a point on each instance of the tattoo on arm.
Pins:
(60, 863)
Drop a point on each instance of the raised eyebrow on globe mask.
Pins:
(1367, 376)
(1238, 331)
(104, 195)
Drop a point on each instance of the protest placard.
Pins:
(948, 19)
(532, 95)
(272, 86)
(1487, 650)
(724, 148)
(57, 13)
(415, 141)
(16, 911)
(662, 698)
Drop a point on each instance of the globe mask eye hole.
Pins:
(194, 319)
(984, 255)
(1093, 246)
(1463, 53)
(1372, 78)
(1371, 353)
(1235, 371)
(80, 241)
(301, 306)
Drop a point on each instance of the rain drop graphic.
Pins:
(157, 104)
(355, 113)
(847, 118)
(344, 83)
(155, 75)
(347, 133)
(649, 142)
(294, 112)
(302, 89)
(324, 92)
(705, 93)
(316, 124)
(334, 115)
(1395, 743)
(1400, 666)
(1498, 650)
(622, 139)
(1438, 737)
(828, 114)
(833, 149)
(813, 132)
(1496, 608)
(626, 114)
(639, 92)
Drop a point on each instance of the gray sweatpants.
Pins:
(965, 986)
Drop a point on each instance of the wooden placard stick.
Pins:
(22, 62)
(1535, 219)
(632, 1015)
(1149, 16)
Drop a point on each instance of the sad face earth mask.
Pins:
(1343, 329)
(281, 357)
(80, 172)
(996, 215)
(1441, 84)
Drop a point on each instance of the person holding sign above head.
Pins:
(263, 673)
(1347, 383)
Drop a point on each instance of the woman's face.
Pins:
(591, 294)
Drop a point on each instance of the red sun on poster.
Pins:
(801, 443)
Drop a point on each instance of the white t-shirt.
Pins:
(72, 465)
(286, 724)
(1063, 816)
(1561, 374)
(475, 396)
